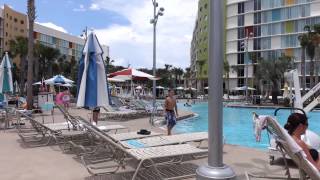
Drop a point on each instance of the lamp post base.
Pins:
(206, 172)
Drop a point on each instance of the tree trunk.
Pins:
(31, 16)
(22, 75)
(311, 73)
(275, 93)
(316, 79)
(36, 69)
(303, 70)
(228, 85)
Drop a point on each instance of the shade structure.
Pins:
(159, 87)
(133, 74)
(92, 82)
(114, 79)
(138, 87)
(58, 79)
(6, 83)
(180, 88)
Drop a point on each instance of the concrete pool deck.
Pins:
(50, 163)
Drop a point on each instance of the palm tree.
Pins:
(201, 64)
(187, 75)
(179, 73)
(19, 47)
(272, 71)
(226, 70)
(49, 56)
(310, 49)
(31, 18)
(303, 38)
(316, 28)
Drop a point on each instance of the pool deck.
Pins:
(20, 163)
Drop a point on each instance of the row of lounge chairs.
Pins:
(103, 152)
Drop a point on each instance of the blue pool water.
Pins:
(237, 124)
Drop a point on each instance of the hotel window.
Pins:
(257, 18)
(241, 8)
(240, 58)
(256, 31)
(241, 33)
(21, 22)
(240, 71)
(240, 45)
(241, 20)
(257, 4)
(266, 43)
(266, 16)
(257, 44)
(15, 20)
(265, 30)
(205, 6)
(240, 82)
(276, 15)
(276, 28)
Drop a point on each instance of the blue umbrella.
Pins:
(92, 83)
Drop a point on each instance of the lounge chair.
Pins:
(138, 157)
(288, 147)
(166, 140)
(44, 135)
(74, 120)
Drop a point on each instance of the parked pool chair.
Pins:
(142, 158)
(289, 148)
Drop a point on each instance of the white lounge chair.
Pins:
(173, 152)
(288, 147)
(166, 140)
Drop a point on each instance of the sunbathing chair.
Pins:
(74, 120)
(139, 157)
(288, 147)
(166, 140)
(44, 135)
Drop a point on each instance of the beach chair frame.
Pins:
(283, 140)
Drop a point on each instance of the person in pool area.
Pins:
(296, 126)
(171, 111)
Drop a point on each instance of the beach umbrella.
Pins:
(6, 83)
(92, 83)
(159, 87)
(58, 79)
(180, 88)
(114, 79)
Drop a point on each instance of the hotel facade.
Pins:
(269, 29)
(14, 24)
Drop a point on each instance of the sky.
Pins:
(124, 25)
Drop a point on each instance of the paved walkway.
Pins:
(20, 163)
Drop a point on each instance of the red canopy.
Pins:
(132, 74)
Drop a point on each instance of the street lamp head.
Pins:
(151, 21)
(161, 9)
(160, 13)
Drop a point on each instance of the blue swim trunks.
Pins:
(171, 118)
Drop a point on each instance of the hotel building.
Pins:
(13, 24)
(271, 27)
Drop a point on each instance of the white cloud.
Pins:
(133, 43)
(94, 7)
(53, 26)
(80, 9)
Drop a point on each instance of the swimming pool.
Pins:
(237, 124)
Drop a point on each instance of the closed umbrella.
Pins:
(92, 83)
(6, 83)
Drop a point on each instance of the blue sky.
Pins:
(124, 26)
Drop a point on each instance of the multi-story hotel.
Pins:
(14, 24)
(199, 47)
(272, 28)
(269, 28)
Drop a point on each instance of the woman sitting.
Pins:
(296, 126)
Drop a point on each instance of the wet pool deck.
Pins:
(50, 163)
